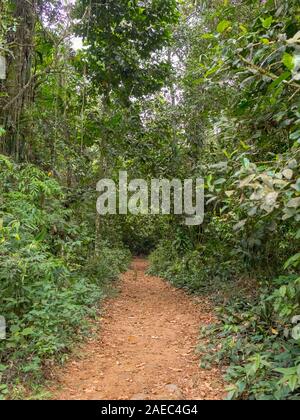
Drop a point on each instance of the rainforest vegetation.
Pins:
(161, 89)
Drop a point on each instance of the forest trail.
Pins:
(145, 349)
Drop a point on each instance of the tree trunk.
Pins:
(17, 89)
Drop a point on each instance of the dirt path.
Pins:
(146, 347)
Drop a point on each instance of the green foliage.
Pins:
(240, 110)
(45, 281)
(121, 38)
(229, 112)
(260, 341)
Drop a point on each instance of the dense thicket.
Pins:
(239, 107)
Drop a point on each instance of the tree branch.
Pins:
(267, 73)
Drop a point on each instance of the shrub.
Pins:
(48, 285)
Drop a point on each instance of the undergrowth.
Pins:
(49, 284)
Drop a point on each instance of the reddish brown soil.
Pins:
(145, 349)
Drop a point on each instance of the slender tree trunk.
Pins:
(103, 173)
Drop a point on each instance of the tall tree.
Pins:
(125, 41)
(19, 66)
(20, 38)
